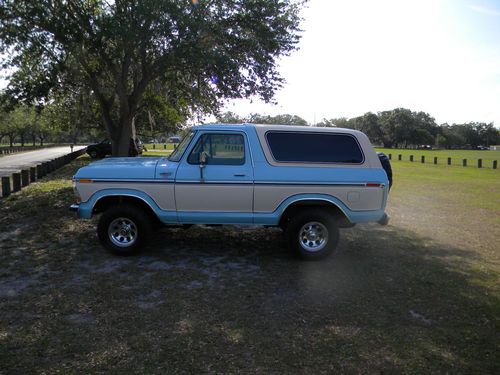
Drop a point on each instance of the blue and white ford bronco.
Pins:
(307, 180)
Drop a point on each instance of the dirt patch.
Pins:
(235, 300)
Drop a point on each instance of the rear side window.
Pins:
(314, 147)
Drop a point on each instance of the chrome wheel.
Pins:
(122, 232)
(313, 236)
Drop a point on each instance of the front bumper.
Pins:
(74, 207)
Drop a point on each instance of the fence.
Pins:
(4, 150)
(17, 180)
(478, 163)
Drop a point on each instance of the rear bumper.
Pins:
(384, 220)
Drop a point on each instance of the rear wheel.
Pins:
(123, 229)
(313, 233)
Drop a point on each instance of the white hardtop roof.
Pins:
(218, 126)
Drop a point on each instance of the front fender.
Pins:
(85, 209)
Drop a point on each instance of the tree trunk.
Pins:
(121, 132)
(120, 136)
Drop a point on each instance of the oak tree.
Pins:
(201, 51)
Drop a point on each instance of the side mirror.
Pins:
(203, 161)
(203, 158)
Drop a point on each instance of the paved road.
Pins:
(16, 162)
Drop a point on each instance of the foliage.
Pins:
(256, 118)
(230, 118)
(197, 51)
(404, 128)
(20, 123)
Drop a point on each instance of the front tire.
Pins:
(313, 234)
(123, 229)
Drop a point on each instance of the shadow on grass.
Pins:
(221, 299)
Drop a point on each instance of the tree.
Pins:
(203, 51)
(341, 122)
(284, 119)
(257, 118)
(7, 127)
(230, 118)
(17, 123)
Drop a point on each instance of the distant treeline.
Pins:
(399, 127)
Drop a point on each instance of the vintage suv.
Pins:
(307, 180)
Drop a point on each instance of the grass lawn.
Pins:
(160, 147)
(456, 156)
(421, 295)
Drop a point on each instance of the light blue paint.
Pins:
(237, 218)
(256, 170)
(213, 173)
(115, 168)
(273, 218)
(85, 209)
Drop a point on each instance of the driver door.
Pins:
(219, 189)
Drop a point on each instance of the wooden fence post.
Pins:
(32, 174)
(25, 177)
(435, 160)
(390, 156)
(39, 171)
(5, 186)
(16, 182)
(449, 161)
(494, 164)
(464, 162)
(479, 163)
(411, 157)
(422, 159)
(399, 157)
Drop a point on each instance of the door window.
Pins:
(219, 149)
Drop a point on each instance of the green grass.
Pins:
(457, 156)
(159, 149)
(421, 295)
(160, 146)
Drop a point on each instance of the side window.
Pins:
(314, 147)
(220, 149)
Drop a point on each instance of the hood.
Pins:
(122, 168)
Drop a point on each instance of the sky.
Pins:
(355, 56)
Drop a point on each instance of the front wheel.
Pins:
(123, 229)
(313, 234)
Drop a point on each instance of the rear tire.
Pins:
(313, 234)
(123, 229)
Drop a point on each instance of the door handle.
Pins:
(239, 175)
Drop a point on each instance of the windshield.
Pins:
(177, 154)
